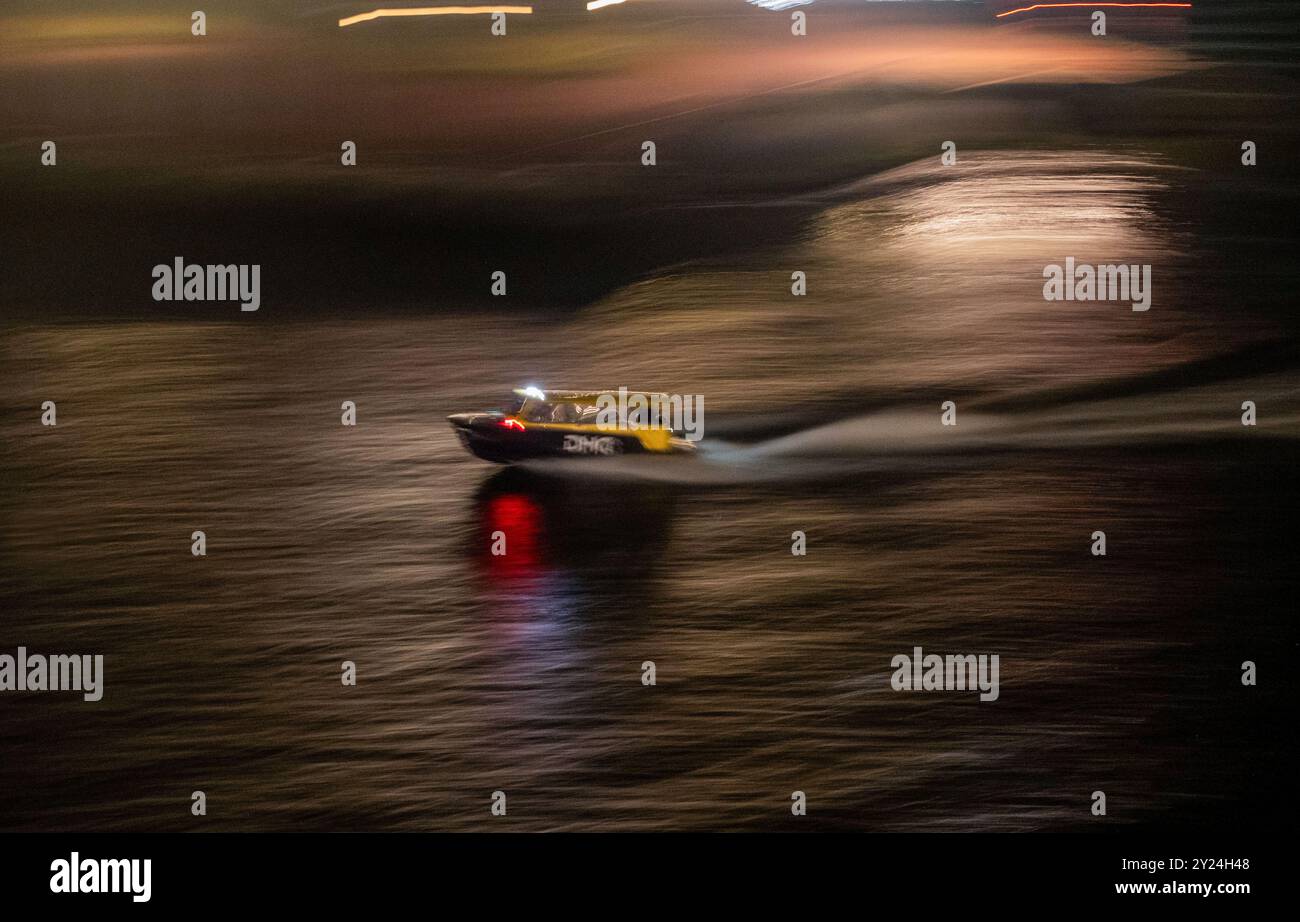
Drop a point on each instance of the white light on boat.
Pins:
(534, 392)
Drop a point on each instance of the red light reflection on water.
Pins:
(518, 518)
(531, 599)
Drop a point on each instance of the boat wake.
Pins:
(915, 439)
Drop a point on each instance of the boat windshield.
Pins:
(540, 411)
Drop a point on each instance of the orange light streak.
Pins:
(431, 11)
(1050, 6)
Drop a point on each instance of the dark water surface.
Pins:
(522, 673)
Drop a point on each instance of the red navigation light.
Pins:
(509, 423)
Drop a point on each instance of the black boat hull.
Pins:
(502, 440)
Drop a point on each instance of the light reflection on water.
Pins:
(522, 672)
(925, 278)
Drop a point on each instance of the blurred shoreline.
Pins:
(467, 167)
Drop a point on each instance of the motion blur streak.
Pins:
(432, 11)
(1055, 6)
